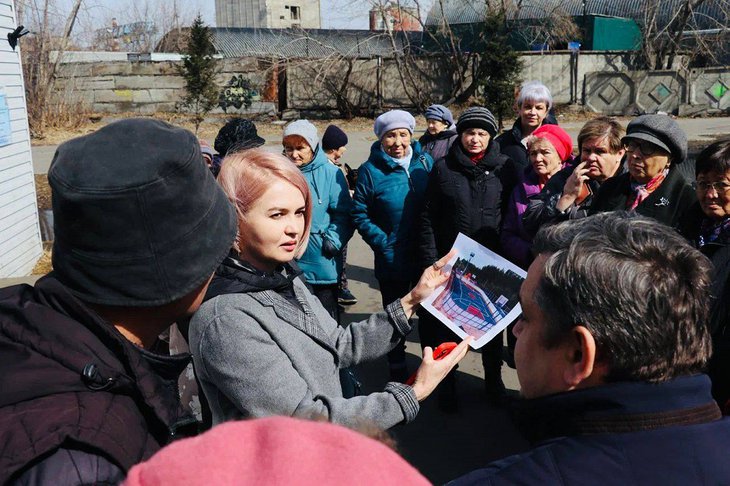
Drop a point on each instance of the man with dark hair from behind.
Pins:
(610, 354)
(140, 227)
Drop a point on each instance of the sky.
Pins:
(336, 14)
(96, 14)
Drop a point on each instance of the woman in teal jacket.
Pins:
(331, 228)
(387, 201)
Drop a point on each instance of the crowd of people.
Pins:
(621, 351)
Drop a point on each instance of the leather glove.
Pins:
(329, 249)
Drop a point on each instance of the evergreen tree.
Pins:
(199, 70)
(502, 65)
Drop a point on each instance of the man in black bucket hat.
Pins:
(140, 226)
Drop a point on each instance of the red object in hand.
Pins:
(440, 352)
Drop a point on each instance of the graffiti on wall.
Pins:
(238, 93)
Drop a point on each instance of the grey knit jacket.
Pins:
(257, 354)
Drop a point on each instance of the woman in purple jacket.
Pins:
(549, 149)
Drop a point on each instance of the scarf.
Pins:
(475, 158)
(404, 162)
(475, 167)
(642, 191)
(714, 232)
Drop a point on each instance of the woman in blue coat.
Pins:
(387, 200)
(331, 203)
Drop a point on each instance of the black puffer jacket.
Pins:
(465, 198)
(71, 383)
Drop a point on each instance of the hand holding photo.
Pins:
(481, 296)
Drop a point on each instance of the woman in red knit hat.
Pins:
(549, 149)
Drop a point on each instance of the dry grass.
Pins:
(43, 192)
(43, 196)
(44, 265)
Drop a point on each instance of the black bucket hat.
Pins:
(139, 220)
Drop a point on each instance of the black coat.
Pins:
(437, 146)
(465, 198)
(719, 365)
(626, 433)
(71, 381)
(668, 203)
(718, 252)
(541, 208)
(510, 142)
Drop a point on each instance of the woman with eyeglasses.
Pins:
(655, 145)
(708, 227)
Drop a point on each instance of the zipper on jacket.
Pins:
(422, 160)
(316, 189)
(410, 182)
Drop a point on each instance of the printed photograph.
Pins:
(481, 296)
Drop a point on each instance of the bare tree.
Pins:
(459, 47)
(666, 32)
(39, 68)
(405, 55)
(136, 26)
(337, 79)
(552, 26)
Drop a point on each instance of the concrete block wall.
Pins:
(553, 69)
(146, 87)
(605, 83)
(310, 85)
(307, 82)
(709, 89)
(686, 93)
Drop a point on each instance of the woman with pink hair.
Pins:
(265, 345)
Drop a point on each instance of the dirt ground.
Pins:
(266, 126)
(209, 128)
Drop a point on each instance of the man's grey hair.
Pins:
(637, 285)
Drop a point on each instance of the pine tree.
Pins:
(502, 65)
(199, 70)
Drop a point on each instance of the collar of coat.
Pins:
(442, 135)
(460, 160)
(237, 276)
(270, 290)
(618, 408)
(301, 317)
(50, 330)
(318, 160)
(379, 158)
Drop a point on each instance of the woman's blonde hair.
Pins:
(245, 176)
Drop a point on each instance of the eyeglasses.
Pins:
(720, 187)
(646, 148)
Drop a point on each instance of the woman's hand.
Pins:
(573, 186)
(432, 371)
(431, 278)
